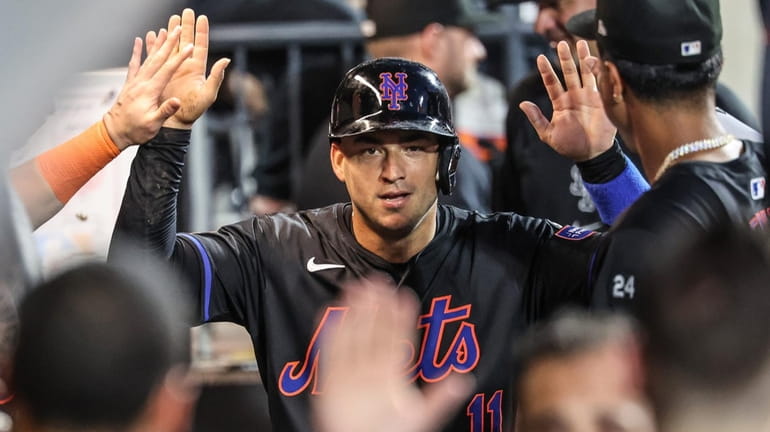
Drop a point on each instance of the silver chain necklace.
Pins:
(693, 147)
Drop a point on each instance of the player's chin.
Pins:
(396, 225)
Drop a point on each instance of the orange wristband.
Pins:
(68, 166)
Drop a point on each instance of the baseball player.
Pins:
(533, 179)
(480, 279)
(659, 92)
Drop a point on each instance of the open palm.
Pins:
(195, 91)
(579, 128)
(366, 385)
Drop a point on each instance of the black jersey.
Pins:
(690, 197)
(481, 281)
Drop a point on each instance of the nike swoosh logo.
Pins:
(312, 267)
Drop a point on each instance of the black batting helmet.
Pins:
(397, 94)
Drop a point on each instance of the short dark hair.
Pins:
(94, 343)
(571, 332)
(705, 311)
(671, 83)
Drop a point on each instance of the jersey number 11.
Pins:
(476, 411)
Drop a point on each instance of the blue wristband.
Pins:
(613, 197)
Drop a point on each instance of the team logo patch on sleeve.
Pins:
(757, 188)
(569, 232)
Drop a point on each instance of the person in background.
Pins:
(103, 348)
(579, 372)
(704, 313)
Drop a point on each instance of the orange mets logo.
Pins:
(428, 362)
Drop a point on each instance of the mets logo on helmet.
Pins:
(393, 91)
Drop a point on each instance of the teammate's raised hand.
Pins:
(579, 128)
(142, 106)
(364, 369)
(189, 84)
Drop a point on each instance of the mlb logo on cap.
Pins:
(758, 188)
(691, 48)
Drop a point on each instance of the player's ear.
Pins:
(337, 158)
(616, 84)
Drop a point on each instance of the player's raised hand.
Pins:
(579, 128)
(364, 373)
(142, 107)
(189, 84)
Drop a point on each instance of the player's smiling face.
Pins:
(391, 178)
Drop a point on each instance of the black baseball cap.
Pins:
(404, 17)
(654, 32)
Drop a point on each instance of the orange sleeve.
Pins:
(68, 166)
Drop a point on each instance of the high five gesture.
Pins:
(190, 84)
(579, 128)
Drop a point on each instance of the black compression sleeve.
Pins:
(604, 167)
(147, 217)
